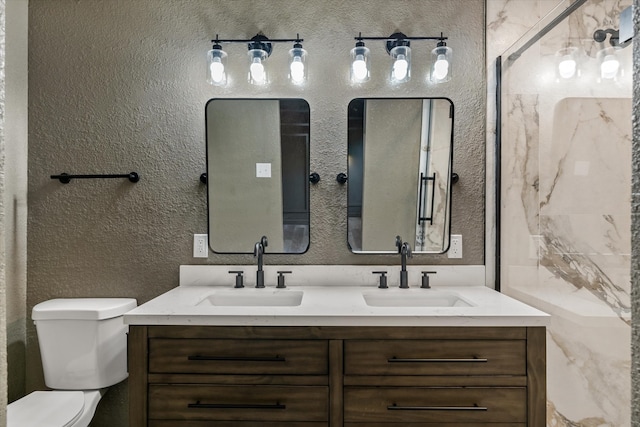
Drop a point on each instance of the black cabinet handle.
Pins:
(400, 360)
(199, 405)
(436, 408)
(238, 358)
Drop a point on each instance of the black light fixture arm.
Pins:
(257, 39)
(400, 36)
(65, 178)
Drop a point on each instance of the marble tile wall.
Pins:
(566, 165)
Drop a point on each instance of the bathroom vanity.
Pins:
(337, 356)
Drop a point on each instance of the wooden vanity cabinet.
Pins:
(196, 376)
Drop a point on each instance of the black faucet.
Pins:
(258, 252)
(404, 249)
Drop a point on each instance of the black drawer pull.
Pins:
(199, 405)
(400, 360)
(436, 408)
(238, 358)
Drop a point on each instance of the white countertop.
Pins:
(333, 305)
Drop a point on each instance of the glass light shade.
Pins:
(297, 65)
(401, 64)
(359, 64)
(216, 67)
(257, 71)
(609, 63)
(567, 63)
(441, 64)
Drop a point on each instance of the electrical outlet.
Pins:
(200, 249)
(455, 246)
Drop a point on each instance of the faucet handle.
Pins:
(238, 278)
(425, 279)
(383, 279)
(281, 274)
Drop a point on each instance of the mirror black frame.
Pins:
(451, 179)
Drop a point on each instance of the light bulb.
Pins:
(441, 67)
(400, 68)
(297, 69)
(257, 70)
(359, 67)
(217, 70)
(216, 61)
(609, 67)
(567, 67)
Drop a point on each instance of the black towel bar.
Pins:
(65, 178)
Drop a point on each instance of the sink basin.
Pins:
(414, 298)
(251, 297)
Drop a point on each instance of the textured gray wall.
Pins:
(119, 85)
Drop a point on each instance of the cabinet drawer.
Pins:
(414, 404)
(238, 403)
(435, 357)
(213, 356)
(419, 424)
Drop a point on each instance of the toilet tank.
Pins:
(83, 341)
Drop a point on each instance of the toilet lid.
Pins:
(46, 409)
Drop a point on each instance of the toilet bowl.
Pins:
(83, 347)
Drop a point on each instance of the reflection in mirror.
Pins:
(258, 174)
(400, 156)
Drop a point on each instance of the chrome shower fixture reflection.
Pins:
(609, 63)
(259, 50)
(398, 46)
(608, 59)
(567, 63)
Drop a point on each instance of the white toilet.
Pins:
(83, 346)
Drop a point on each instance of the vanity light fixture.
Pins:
(297, 63)
(608, 57)
(400, 51)
(216, 61)
(398, 46)
(359, 62)
(259, 49)
(441, 62)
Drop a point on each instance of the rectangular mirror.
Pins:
(258, 174)
(399, 174)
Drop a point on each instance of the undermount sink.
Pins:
(414, 298)
(251, 297)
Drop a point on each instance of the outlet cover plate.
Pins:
(455, 246)
(200, 246)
